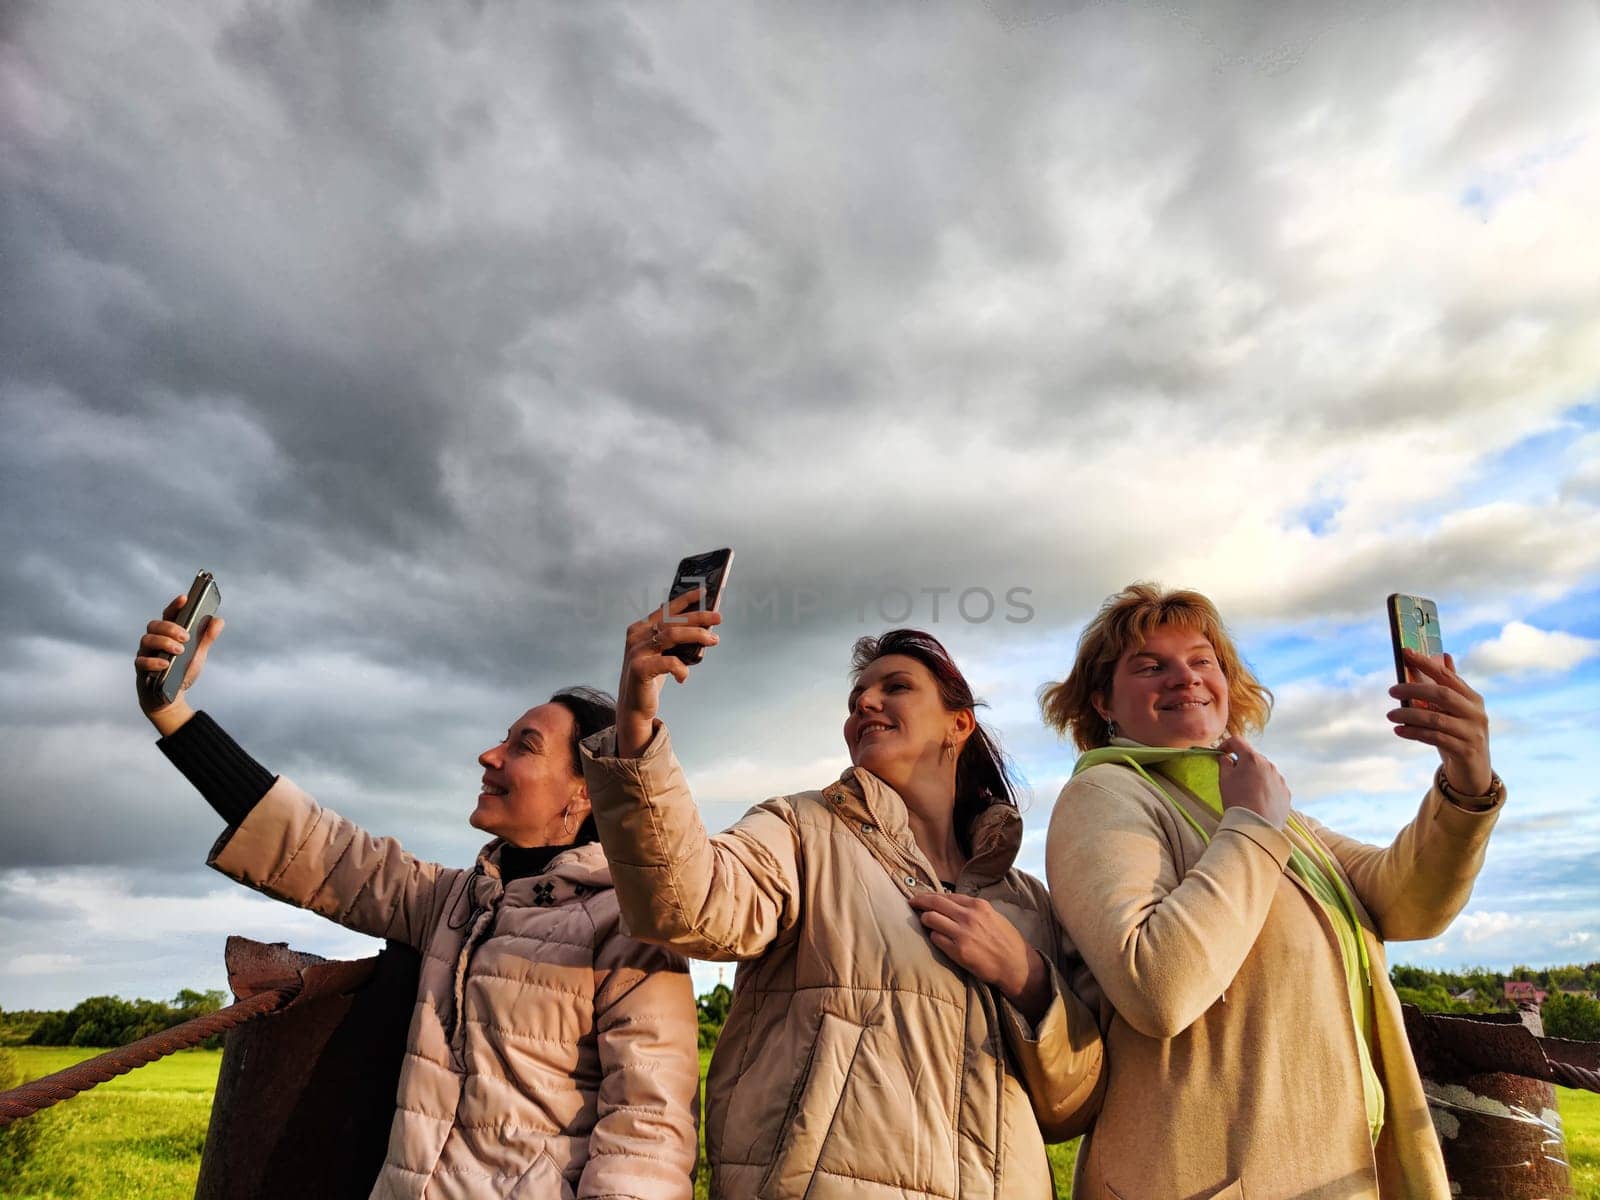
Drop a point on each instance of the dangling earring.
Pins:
(1111, 729)
(947, 749)
(566, 820)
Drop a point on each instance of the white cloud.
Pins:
(1476, 928)
(1499, 937)
(139, 933)
(41, 963)
(1519, 649)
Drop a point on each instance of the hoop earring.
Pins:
(566, 820)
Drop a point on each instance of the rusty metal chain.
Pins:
(41, 1093)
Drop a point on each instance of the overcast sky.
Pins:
(439, 332)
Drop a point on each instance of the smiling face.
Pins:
(531, 796)
(898, 726)
(1168, 692)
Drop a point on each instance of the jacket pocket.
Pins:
(541, 1181)
(1232, 1191)
(809, 1120)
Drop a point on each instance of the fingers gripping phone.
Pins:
(1413, 625)
(709, 572)
(204, 597)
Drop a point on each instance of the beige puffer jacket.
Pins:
(857, 1060)
(549, 1055)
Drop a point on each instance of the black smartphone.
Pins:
(1413, 625)
(204, 597)
(709, 572)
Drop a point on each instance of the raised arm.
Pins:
(293, 849)
(723, 898)
(1162, 948)
(1416, 885)
(727, 897)
(279, 840)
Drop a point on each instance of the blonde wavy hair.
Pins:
(1125, 622)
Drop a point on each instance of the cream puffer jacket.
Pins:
(549, 1055)
(857, 1060)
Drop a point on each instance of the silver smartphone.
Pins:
(204, 597)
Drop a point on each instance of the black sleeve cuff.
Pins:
(231, 781)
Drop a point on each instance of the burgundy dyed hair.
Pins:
(983, 776)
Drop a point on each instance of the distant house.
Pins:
(1467, 997)
(1523, 991)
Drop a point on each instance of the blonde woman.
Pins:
(1254, 1045)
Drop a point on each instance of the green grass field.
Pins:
(140, 1135)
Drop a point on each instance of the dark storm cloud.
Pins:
(439, 333)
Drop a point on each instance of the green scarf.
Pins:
(1196, 771)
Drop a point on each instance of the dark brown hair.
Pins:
(983, 776)
(592, 710)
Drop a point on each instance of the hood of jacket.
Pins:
(861, 797)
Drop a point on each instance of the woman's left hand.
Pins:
(1454, 722)
(970, 931)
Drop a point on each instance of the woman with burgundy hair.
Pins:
(898, 1025)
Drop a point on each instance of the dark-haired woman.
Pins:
(898, 1025)
(1254, 1044)
(549, 1055)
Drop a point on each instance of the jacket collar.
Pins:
(861, 797)
(578, 871)
(585, 864)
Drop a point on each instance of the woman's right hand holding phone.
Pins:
(164, 640)
(646, 664)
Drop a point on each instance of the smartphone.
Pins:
(204, 597)
(708, 571)
(1413, 625)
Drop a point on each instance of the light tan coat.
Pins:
(857, 1060)
(549, 1055)
(1230, 1041)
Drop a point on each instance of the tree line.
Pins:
(1571, 1009)
(113, 1021)
(104, 1021)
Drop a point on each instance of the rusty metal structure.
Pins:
(1489, 1081)
(305, 1097)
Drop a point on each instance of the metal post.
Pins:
(1485, 1078)
(305, 1097)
